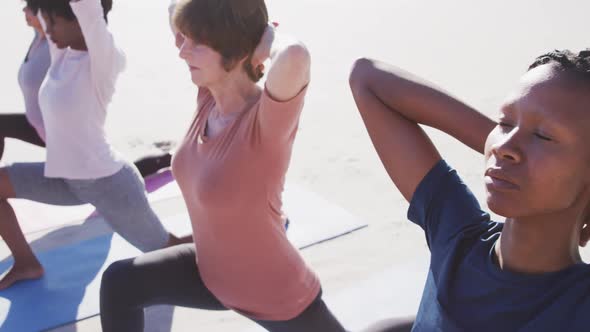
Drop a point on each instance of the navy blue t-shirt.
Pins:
(466, 290)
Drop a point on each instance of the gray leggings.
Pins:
(119, 198)
(171, 276)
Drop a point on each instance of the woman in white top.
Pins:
(81, 165)
(28, 127)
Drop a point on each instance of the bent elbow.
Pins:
(298, 56)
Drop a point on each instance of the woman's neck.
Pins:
(232, 95)
(40, 33)
(539, 244)
(79, 46)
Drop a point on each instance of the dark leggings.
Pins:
(18, 127)
(152, 164)
(171, 276)
(393, 325)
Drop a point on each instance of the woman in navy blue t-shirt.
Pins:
(525, 274)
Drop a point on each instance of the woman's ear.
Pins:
(230, 64)
(254, 70)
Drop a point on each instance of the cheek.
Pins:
(211, 60)
(212, 66)
(543, 189)
(553, 183)
(550, 180)
(208, 63)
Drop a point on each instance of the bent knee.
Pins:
(117, 277)
(117, 270)
(359, 72)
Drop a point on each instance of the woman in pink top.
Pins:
(231, 169)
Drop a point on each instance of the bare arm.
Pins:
(393, 103)
(290, 64)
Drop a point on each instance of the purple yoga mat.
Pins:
(157, 181)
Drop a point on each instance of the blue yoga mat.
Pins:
(69, 291)
(71, 273)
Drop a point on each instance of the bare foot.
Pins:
(21, 273)
(186, 239)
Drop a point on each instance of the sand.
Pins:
(476, 50)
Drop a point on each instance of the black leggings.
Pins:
(17, 126)
(171, 276)
(393, 325)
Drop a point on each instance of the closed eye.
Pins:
(543, 137)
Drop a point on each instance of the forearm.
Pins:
(102, 49)
(422, 103)
(89, 14)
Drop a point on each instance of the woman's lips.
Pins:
(497, 180)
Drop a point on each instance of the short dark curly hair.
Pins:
(566, 60)
(62, 8)
(33, 5)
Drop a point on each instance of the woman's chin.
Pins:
(197, 80)
(502, 207)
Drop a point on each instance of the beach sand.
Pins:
(475, 50)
